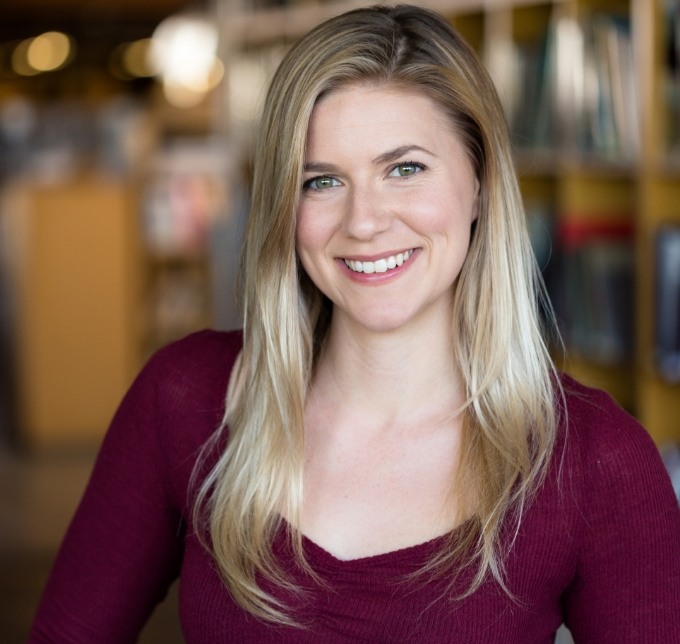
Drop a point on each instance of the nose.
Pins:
(366, 214)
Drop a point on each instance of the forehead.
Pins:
(366, 112)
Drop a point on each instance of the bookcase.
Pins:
(592, 93)
(180, 195)
(181, 189)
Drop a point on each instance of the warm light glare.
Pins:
(186, 96)
(134, 58)
(49, 51)
(45, 53)
(20, 63)
(182, 96)
(129, 60)
(183, 53)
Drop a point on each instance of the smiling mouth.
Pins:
(380, 265)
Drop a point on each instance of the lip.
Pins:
(377, 278)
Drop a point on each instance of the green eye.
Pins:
(406, 169)
(321, 183)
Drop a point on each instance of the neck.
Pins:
(388, 376)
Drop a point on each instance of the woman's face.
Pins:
(388, 199)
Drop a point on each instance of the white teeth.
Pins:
(379, 266)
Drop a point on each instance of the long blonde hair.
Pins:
(509, 420)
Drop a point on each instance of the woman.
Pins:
(398, 460)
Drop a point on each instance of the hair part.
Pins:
(509, 415)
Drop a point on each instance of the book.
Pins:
(595, 86)
(667, 332)
(671, 77)
(531, 101)
(613, 108)
(595, 305)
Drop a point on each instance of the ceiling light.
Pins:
(183, 53)
(49, 51)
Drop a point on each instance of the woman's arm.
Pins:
(125, 544)
(628, 585)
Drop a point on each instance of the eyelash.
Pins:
(415, 164)
(307, 185)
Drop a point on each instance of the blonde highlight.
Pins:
(510, 417)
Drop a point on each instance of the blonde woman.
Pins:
(397, 459)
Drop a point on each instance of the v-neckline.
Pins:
(418, 552)
(406, 553)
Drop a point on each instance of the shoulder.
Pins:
(605, 466)
(201, 355)
(190, 376)
(196, 367)
(179, 398)
(615, 468)
(626, 523)
(605, 435)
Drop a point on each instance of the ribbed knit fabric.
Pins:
(598, 549)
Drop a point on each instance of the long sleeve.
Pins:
(124, 546)
(598, 547)
(627, 588)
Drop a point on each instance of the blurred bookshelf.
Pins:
(589, 90)
(107, 226)
(108, 198)
(592, 93)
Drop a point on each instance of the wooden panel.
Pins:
(531, 23)
(658, 401)
(616, 380)
(76, 333)
(591, 193)
(659, 409)
(471, 27)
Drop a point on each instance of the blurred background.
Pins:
(125, 136)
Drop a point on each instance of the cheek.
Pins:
(447, 216)
(304, 231)
(456, 210)
(447, 223)
(315, 226)
(310, 244)
(310, 239)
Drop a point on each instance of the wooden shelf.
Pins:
(578, 187)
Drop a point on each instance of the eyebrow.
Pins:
(397, 153)
(322, 168)
(385, 157)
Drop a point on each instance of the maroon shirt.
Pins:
(598, 549)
